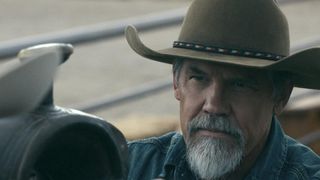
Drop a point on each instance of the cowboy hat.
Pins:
(303, 100)
(247, 33)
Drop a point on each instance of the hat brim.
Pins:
(303, 99)
(304, 65)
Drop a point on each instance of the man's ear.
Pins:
(282, 101)
(176, 89)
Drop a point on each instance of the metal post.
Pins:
(100, 31)
(310, 138)
(104, 31)
(125, 96)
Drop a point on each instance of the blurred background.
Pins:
(106, 78)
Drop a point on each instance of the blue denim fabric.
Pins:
(164, 157)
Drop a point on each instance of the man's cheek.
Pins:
(189, 109)
(243, 121)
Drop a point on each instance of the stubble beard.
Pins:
(213, 158)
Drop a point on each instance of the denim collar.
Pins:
(272, 158)
(175, 157)
(267, 166)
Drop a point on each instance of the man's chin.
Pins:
(213, 157)
(228, 139)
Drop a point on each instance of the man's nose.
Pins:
(216, 101)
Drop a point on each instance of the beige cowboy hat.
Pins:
(303, 100)
(248, 33)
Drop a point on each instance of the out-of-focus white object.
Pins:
(303, 99)
(64, 49)
(24, 84)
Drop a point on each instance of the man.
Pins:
(232, 75)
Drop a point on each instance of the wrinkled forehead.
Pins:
(223, 70)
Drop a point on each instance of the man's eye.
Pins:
(243, 85)
(197, 77)
(240, 84)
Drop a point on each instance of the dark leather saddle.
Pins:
(41, 141)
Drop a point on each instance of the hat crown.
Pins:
(255, 25)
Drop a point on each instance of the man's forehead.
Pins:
(216, 68)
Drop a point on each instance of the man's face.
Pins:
(226, 105)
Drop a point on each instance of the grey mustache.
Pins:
(214, 123)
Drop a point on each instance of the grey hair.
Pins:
(176, 69)
(279, 79)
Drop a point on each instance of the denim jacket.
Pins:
(283, 158)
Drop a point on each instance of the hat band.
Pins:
(236, 52)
